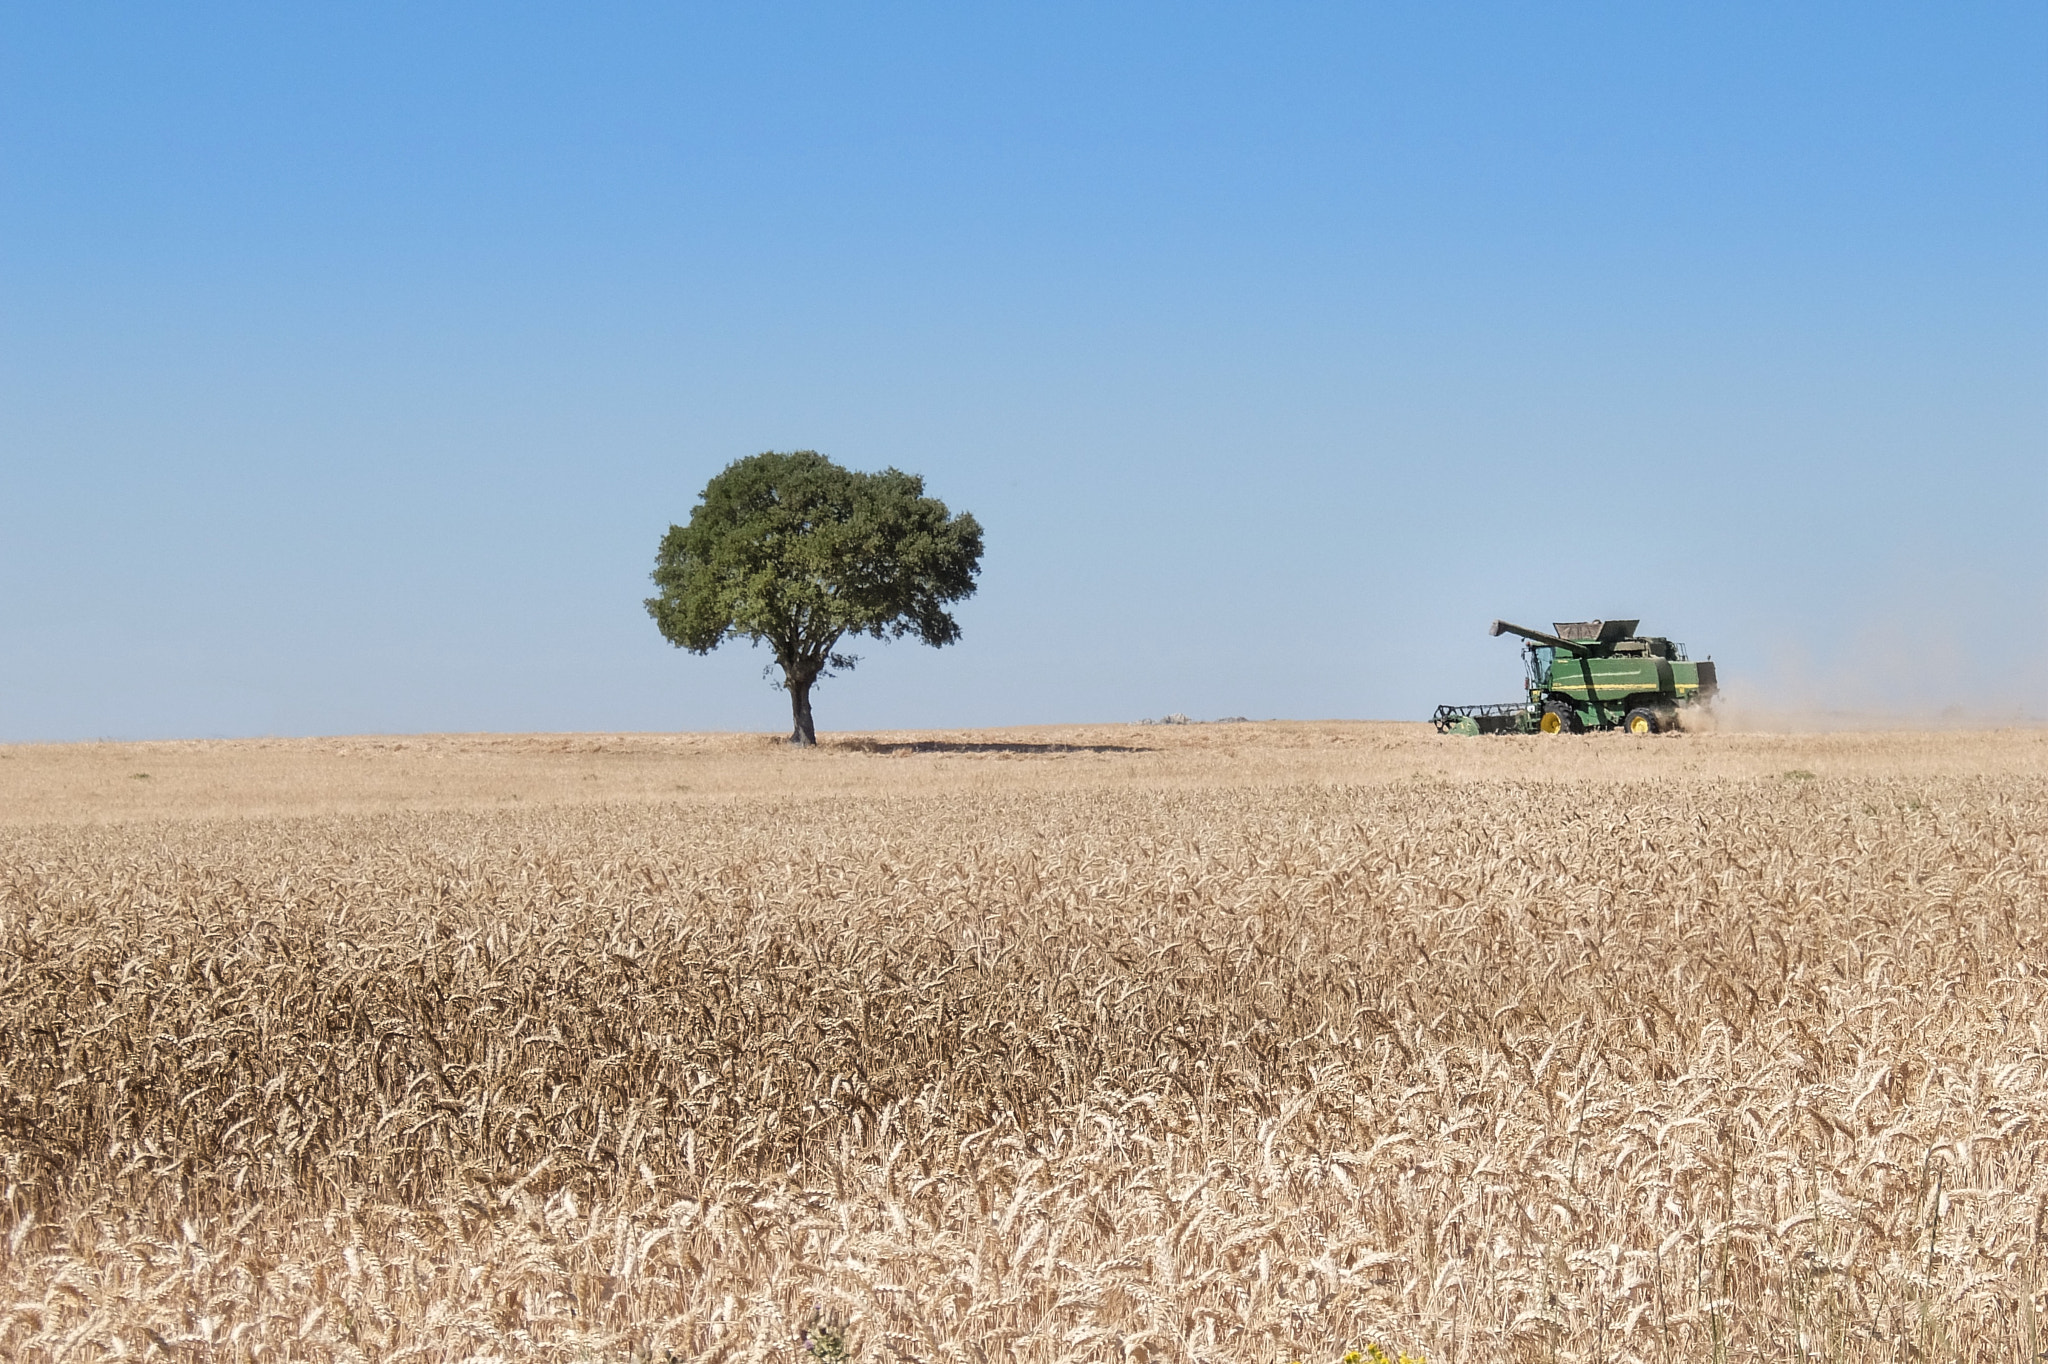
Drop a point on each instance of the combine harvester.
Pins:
(1591, 674)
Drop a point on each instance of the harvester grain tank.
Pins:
(1591, 674)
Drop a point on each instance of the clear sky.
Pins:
(354, 358)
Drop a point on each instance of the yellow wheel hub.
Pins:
(1550, 723)
(1639, 725)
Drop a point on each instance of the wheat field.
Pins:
(1230, 1042)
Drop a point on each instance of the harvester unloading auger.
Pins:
(1591, 674)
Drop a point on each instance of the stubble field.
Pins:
(1233, 1042)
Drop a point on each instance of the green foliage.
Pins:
(826, 1342)
(1375, 1353)
(793, 551)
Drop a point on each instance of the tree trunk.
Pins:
(804, 735)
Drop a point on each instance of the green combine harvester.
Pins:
(1591, 674)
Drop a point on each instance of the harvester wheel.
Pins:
(1560, 718)
(1643, 720)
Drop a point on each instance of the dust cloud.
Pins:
(1938, 665)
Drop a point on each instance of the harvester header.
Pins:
(1591, 674)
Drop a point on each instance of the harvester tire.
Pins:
(1643, 720)
(1559, 717)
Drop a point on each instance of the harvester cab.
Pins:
(1591, 674)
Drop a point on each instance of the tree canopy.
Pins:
(796, 552)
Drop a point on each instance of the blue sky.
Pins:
(353, 359)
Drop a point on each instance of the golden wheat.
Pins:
(1251, 1044)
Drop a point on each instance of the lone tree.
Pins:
(795, 551)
